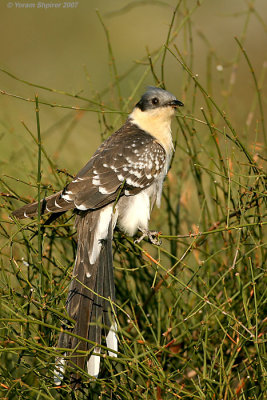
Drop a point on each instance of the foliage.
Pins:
(190, 312)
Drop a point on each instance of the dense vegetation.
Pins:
(191, 312)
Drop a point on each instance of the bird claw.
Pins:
(151, 235)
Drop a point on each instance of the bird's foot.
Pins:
(153, 237)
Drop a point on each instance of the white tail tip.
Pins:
(93, 364)
(112, 340)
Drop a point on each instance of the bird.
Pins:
(117, 187)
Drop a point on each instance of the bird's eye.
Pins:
(155, 100)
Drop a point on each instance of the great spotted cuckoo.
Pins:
(119, 185)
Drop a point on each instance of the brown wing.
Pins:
(130, 157)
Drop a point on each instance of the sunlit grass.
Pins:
(191, 312)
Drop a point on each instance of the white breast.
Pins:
(134, 211)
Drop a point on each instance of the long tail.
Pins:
(91, 294)
(92, 291)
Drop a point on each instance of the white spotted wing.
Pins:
(126, 163)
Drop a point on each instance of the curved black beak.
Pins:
(175, 103)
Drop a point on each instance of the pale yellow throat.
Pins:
(157, 123)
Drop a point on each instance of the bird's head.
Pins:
(153, 114)
(157, 99)
(155, 110)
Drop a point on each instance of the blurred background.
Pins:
(195, 329)
(66, 49)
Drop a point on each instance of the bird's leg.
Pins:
(153, 237)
